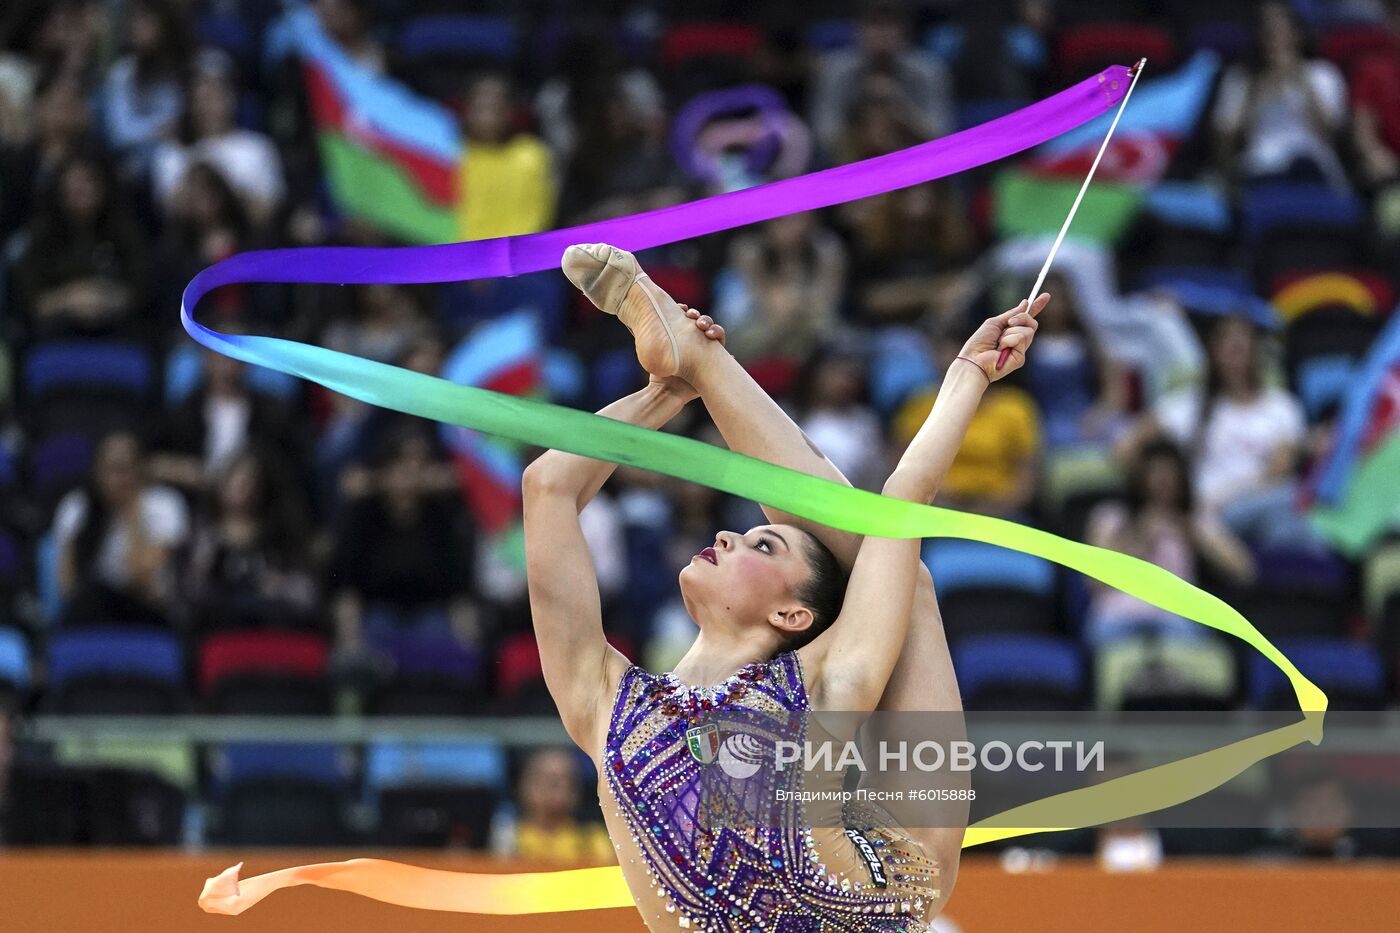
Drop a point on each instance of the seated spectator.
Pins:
(116, 538)
(509, 175)
(547, 829)
(210, 133)
(994, 472)
(1280, 114)
(1375, 108)
(218, 422)
(401, 550)
(835, 417)
(1159, 523)
(910, 249)
(1243, 437)
(1081, 390)
(606, 123)
(207, 223)
(59, 129)
(1322, 821)
(249, 562)
(84, 267)
(778, 296)
(347, 22)
(883, 48)
(387, 321)
(143, 96)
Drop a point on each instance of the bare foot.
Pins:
(614, 281)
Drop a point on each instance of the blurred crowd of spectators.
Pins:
(142, 140)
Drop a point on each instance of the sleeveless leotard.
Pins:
(720, 852)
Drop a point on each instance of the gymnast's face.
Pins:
(749, 578)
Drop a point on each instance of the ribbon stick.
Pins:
(865, 513)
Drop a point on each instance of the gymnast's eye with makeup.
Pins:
(765, 543)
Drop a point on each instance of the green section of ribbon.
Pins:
(539, 423)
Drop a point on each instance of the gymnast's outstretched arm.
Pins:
(850, 664)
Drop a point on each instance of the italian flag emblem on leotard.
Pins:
(703, 742)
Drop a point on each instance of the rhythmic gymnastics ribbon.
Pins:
(854, 510)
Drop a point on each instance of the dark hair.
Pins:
(1137, 476)
(823, 593)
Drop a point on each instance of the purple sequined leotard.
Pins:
(762, 873)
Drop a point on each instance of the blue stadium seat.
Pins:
(1322, 381)
(58, 463)
(468, 763)
(491, 37)
(87, 364)
(1351, 673)
(900, 363)
(1024, 672)
(828, 35)
(976, 112)
(107, 669)
(1268, 206)
(240, 762)
(14, 661)
(957, 564)
(281, 794)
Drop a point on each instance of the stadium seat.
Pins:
(984, 588)
(1270, 206)
(1381, 578)
(1299, 593)
(173, 760)
(1164, 674)
(488, 38)
(265, 673)
(900, 363)
(95, 365)
(828, 35)
(433, 676)
(1351, 673)
(1346, 44)
(423, 816)
(976, 112)
(14, 668)
(1323, 381)
(1074, 480)
(1331, 331)
(114, 670)
(57, 464)
(1020, 672)
(1083, 50)
(52, 804)
(280, 794)
(685, 43)
(1231, 40)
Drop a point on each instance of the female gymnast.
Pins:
(793, 617)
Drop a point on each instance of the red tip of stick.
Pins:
(1001, 360)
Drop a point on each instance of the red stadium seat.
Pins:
(265, 674)
(1348, 44)
(686, 42)
(1083, 50)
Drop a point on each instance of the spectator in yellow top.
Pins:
(507, 177)
(994, 472)
(548, 829)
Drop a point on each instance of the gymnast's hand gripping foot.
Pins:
(791, 616)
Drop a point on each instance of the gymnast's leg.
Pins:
(754, 424)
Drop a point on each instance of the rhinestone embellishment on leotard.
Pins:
(719, 875)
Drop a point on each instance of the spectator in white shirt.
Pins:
(116, 536)
(249, 160)
(1281, 114)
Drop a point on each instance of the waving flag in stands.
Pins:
(1357, 493)
(1033, 198)
(503, 355)
(392, 158)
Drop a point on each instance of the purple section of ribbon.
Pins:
(515, 255)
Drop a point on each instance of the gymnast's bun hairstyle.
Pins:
(823, 593)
